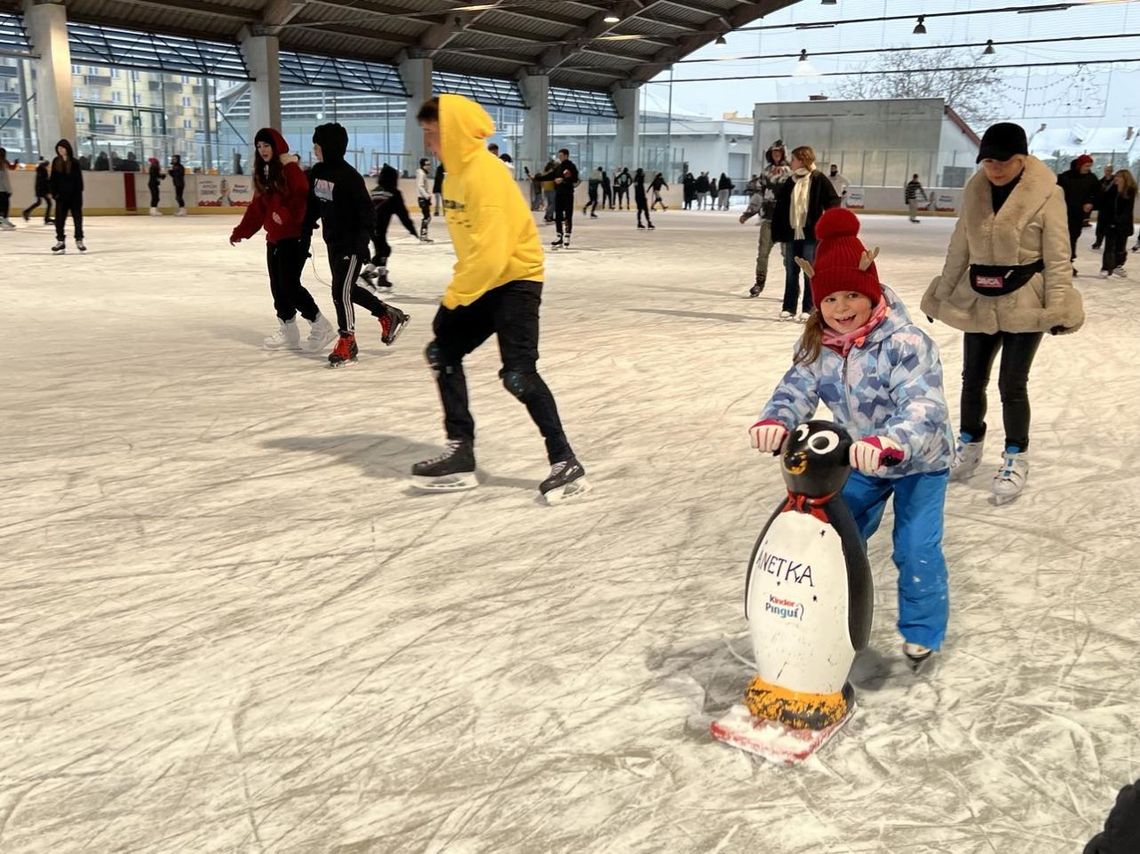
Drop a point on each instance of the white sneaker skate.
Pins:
(180, 212)
(803, 317)
(287, 337)
(967, 456)
(786, 315)
(321, 334)
(7, 224)
(155, 212)
(1011, 477)
(1121, 272)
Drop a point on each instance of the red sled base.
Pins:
(770, 740)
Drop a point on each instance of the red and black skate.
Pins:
(343, 351)
(392, 323)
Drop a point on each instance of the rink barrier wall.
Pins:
(111, 194)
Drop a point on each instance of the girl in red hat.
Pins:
(881, 377)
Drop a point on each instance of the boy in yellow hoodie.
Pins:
(495, 289)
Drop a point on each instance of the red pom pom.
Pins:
(836, 222)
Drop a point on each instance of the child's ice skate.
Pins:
(918, 657)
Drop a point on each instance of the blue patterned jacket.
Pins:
(890, 386)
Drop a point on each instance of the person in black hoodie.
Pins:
(701, 188)
(339, 198)
(43, 193)
(386, 201)
(641, 199)
(1121, 834)
(437, 189)
(66, 185)
(177, 173)
(565, 178)
(799, 205)
(155, 176)
(656, 185)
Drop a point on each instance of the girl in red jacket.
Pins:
(280, 201)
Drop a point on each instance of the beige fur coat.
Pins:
(1032, 224)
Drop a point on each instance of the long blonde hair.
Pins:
(1129, 189)
(811, 342)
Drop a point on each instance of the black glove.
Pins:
(1122, 828)
(931, 319)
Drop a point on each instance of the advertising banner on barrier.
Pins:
(854, 199)
(943, 202)
(224, 191)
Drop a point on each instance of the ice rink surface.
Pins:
(226, 625)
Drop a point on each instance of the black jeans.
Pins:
(797, 249)
(179, 197)
(564, 213)
(286, 261)
(39, 199)
(1076, 225)
(643, 208)
(1115, 250)
(345, 265)
(69, 205)
(509, 311)
(1017, 352)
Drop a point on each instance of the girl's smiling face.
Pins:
(845, 311)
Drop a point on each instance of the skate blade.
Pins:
(771, 740)
(572, 490)
(1000, 500)
(334, 365)
(447, 483)
(399, 329)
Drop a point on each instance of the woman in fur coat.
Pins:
(1007, 281)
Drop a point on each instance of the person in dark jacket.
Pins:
(688, 190)
(1081, 189)
(154, 179)
(102, 163)
(177, 173)
(593, 185)
(701, 188)
(1121, 834)
(387, 201)
(43, 193)
(437, 189)
(1105, 183)
(339, 198)
(622, 182)
(607, 192)
(724, 188)
(657, 185)
(66, 185)
(280, 205)
(1117, 208)
(799, 205)
(565, 178)
(641, 199)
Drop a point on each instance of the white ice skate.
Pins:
(180, 212)
(287, 337)
(967, 456)
(321, 334)
(787, 315)
(155, 212)
(7, 224)
(1011, 477)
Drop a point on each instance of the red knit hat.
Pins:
(842, 263)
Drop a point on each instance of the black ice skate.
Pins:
(756, 289)
(556, 244)
(80, 245)
(392, 324)
(567, 480)
(60, 248)
(451, 471)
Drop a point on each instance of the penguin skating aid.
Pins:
(809, 602)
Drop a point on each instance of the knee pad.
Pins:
(437, 360)
(519, 384)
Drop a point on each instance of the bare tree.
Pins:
(971, 88)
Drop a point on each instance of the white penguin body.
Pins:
(798, 605)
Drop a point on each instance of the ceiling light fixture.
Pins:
(920, 27)
(989, 51)
(611, 18)
(828, 2)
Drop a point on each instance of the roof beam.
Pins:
(278, 13)
(594, 27)
(203, 8)
(740, 16)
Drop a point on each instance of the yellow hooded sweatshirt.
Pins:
(490, 222)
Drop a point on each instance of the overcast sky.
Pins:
(1100, 95)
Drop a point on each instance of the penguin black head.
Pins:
(815, 459)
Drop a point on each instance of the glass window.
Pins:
(117, 97)
(185, 101)
(136, 75)
(137, 99)
(118, 119)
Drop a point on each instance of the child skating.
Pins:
(387, 200)
(881, 377)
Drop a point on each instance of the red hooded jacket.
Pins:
(290, 205)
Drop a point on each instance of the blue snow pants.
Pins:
(920, 499)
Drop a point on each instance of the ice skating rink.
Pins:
(226, 625)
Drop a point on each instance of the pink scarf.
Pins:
(843, 343)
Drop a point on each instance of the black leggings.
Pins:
(564, 213)
(510, 312)
(1017, 352)
(5, 201)
(286, 261)
(643, 208)
(39, 199)
(154, 195)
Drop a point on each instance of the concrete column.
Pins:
(46, 24)
(416, 74)
(262, 57)
(627, 100)
(534, 150)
